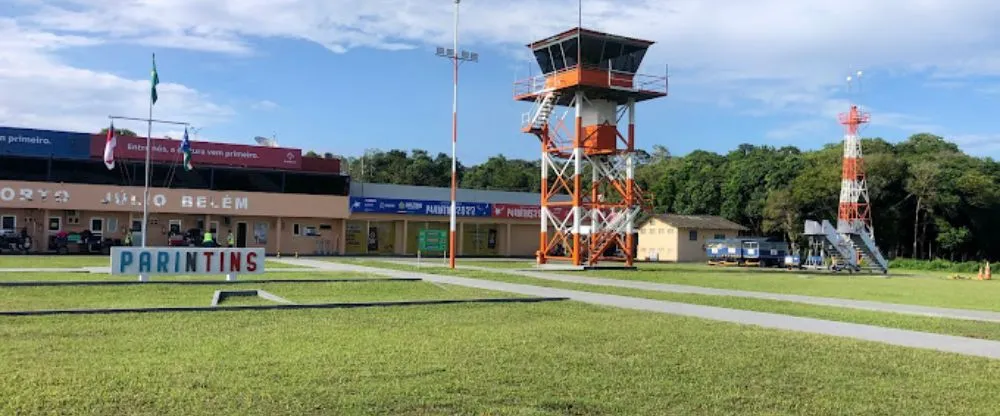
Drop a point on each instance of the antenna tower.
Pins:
(854, 212)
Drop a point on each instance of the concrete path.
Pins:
(891, 336)
(965, 314)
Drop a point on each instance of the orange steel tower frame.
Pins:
(589, 197)
(853, 212)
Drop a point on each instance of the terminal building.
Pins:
(54, 182)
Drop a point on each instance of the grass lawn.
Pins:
(83, 276)
(973, 329)
(907, 287)
(72, 297)
(67, 261)
(526, 359)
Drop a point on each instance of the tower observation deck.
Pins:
(593, 76)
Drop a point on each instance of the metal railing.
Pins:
(837, 241)
(615, 79)
(873, 252)
(537, 83)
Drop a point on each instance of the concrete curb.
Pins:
(221, 295)
(110, 311)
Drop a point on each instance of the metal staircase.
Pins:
(864, 245)
(839, 248)
(543, 110)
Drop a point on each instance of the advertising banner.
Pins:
(202, 153)
(418, 207)
(44, 143)
(163, 261)
(527, 212)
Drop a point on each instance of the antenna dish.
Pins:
(265, 141)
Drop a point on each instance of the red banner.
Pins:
(526, 212)
(202, 153)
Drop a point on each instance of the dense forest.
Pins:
(929, 200)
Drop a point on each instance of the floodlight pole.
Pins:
(457, 57)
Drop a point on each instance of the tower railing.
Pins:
(657, 84)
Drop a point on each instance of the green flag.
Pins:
(154, 80)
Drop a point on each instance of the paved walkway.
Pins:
(891, 336)
(966, 314)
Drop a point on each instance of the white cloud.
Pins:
(264, 105)
(727, 39)
(768, 56)
(40, 91)
(797, 130)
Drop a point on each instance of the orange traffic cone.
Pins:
(988, 274)
(980, 275)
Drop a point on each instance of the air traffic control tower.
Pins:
(589, 197)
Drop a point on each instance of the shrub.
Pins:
(936, 265)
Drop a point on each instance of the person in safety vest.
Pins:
(230, 240)
(207, 240)
(128, 237)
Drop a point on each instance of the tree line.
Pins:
(928, 198)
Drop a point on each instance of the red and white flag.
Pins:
(109, 147)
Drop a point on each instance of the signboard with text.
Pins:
(203, 153)
(188, 202)
(44, 143)
(106, 198)
(527, 212)
(165, 261)
(418, 207)
(432, 240)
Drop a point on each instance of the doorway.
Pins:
(241, 234)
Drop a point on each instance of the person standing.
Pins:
(230, 240)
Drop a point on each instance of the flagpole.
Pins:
(145, 190)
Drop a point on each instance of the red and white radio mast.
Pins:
(854, 212)
(854, 215)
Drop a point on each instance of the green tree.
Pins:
(783, 215)
(119, 132)
(948, 199)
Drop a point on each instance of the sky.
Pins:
(344, 76)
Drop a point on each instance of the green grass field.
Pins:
(558, 358)
(964, 328)
(903, 286)
(74, 297)
(523, 359)
(908, 288)
(68, 261)
(63, 276)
